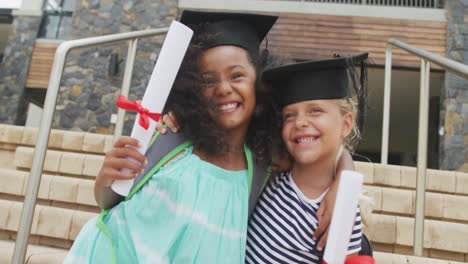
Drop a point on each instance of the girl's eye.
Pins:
(208, 82)
(236, 76)
(288, 116)
(315, 110)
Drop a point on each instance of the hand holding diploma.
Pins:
(344, 213)
(157, 91)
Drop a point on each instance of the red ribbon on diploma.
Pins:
(145, 114)
(357, 260)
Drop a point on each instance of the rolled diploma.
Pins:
(164, 73)
(344, 214)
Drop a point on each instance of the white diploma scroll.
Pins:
(344, 215)
(164, 73)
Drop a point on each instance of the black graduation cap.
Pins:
(237, 29)
(321, 79)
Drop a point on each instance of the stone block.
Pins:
(56, 138)
(447, 256)
(55, 222)
(382, 228)
(92, 165)
(440, 181)
(6, 251)
(405, 232)
(12, 181)
(434, 205)
(455, 207)
(94, 143)
(461, 183)
(5, 206)
(397, 201)
(79, 219)
(44, 186)
(449, 236)
(383, 247)
(35, 222)
(367, 169)
(24, 157)
(63, 189)
(53, 242)
(72, 163)
(67, 205)
(389, 175)
(86, 193)
(47, 257)
(15, 217)
(408, 177)
(72, 140)
(388, 258)
(29, 136)
(408, 251)
(376, 195)
(12, 134)
(109, 143)
(52, 160)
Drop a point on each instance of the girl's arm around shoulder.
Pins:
(325, 211)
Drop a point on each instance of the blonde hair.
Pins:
(350, 105)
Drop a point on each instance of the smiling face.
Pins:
(229, 85)
(314, 130)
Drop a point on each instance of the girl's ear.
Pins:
(348, 122)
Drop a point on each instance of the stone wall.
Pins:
(88, 92)
(14, 68)
(454, 96)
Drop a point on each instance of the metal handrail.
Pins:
(49, 108)
(426, 59)
(401, 3)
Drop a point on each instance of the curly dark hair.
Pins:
(191, 108)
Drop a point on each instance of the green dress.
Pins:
(190, 211)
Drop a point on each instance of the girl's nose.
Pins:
(223, 88)
(301, 121)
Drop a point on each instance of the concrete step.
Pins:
(389, 258)
(451, 182)
(440, 206)
(34, 255)
(394, 232)
(61, 162)
(58, 139)
(60, 224)
(53, 188)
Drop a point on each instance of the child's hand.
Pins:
(116, 160)
(170, 121)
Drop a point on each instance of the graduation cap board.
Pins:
(236, 29)
(311, 80)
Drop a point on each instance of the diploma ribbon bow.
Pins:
(124, 103)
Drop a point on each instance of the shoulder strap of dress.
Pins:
(260, 176)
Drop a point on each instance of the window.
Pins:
(57, 19)
(5, 28)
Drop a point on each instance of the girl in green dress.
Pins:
(193, 209)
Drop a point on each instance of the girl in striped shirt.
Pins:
(319, 119)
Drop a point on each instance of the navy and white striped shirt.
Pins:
(282, 224)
